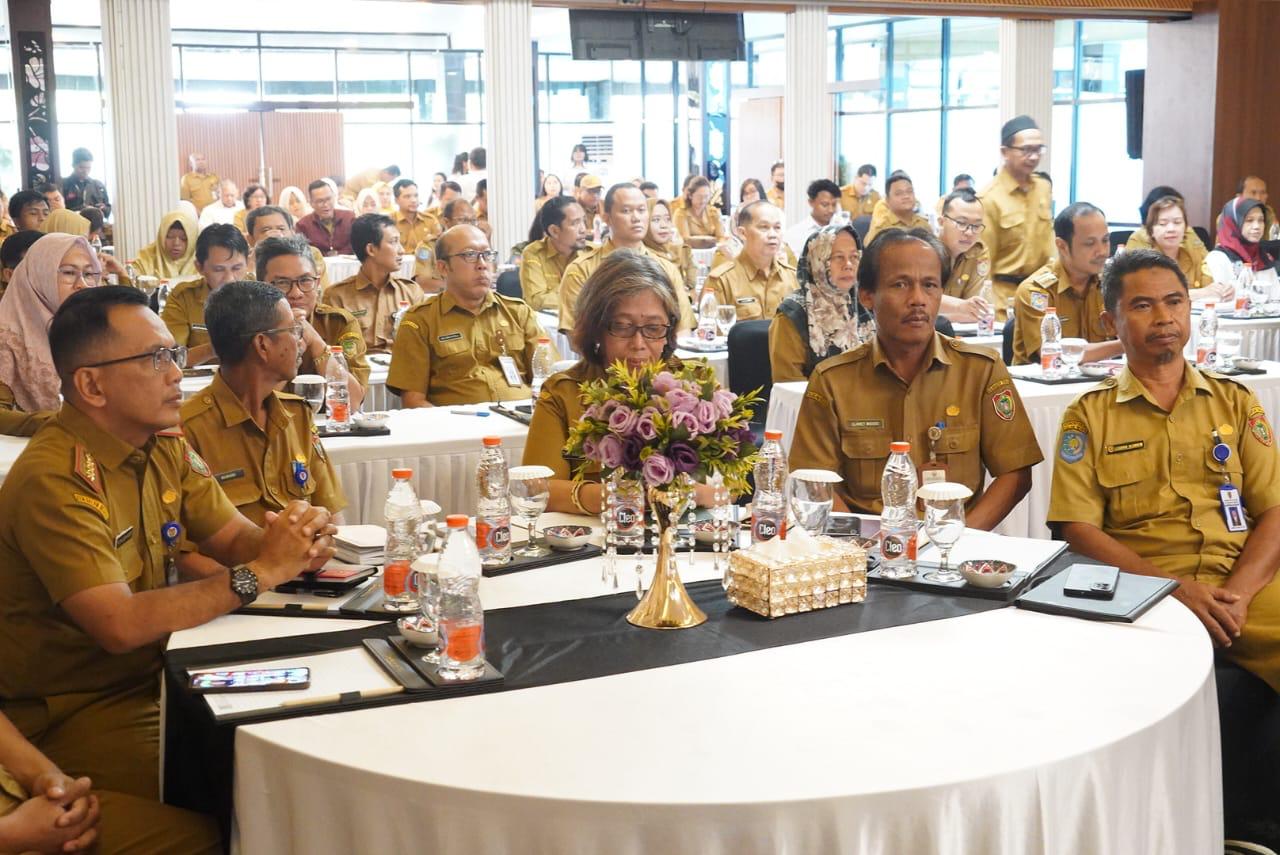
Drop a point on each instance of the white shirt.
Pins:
(216, 212)
(799, 233)
(469, 181)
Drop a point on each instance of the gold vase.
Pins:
(667, 605)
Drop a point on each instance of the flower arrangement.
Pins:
(663, 422)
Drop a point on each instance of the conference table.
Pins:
(974, 729)
(376, 396)
(1044, 405)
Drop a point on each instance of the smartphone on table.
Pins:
(250, 679)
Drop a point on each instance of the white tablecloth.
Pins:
(342, 267)
(1044, 405)
(1004, 733)
(376, 396)
(1259, 338)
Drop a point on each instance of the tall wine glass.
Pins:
(810, 495)
(310, 387)
(530, 489)
(726, 317)
(1073, 354)
(944, 523)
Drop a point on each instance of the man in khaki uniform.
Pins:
(221, 257)
(954, 402)
(370, 177)
(627, 213)
(271, 221)
(455, 212)
(199, 186)
(374, 294)
(961, 219)
(283, 263)
(416, 227)
(1018, 211)
(469, 344)
(259, 442)
(777, 192)
(757, 280)
(859, 198)
(543, 262)
(898, 209)
(1070, 283)
(90, 518)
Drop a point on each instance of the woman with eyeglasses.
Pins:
(820, 318)
(627, 313)
(54, 268)
(174, 251)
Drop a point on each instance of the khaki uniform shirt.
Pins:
(451, 355)
(968, 271)
(1019, 229)
(776, 197)
(81, 508)
(339, 327)
(708, 225)
(1191, 255)
(373, 307)
(261, 470)
(788, 352)
(755, 293)
(13, 420)
(855, 405)
(424, 228)
(183, 313)
(882, 218)
(558, 409)
(541, 269)
(580, 270)
(1081, 317)
(199, 190)
(856, 205)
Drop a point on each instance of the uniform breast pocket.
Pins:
(864, 452)
(1233, 469)
(749, 309)
(242, 491)
(452, 358)
(960, 451)
(307, 486)
(1129, 481)
(1012, 219)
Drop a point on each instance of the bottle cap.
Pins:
(773, 434)
(492, 441)
(1051, 310)
(401, 473)
(335, 348)
(456, 521)
(900, 448)
(544, 340)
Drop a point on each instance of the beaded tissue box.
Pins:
(799, 574)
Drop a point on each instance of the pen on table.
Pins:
(482, 413)
(306, 607)
(365, 695)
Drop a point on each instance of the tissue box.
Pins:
(800, 574)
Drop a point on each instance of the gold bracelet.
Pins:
(575, 496)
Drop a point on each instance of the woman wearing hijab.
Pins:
(1243, 225)
(367, 202)
(173, 253)
(663, 239)
(821, 318)
(294, 201)
(386, 199)
(55, 267)
(66, 222)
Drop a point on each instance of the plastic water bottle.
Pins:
(403, 513)
(898, 516)
(402, 306)
(987, 320)
(337, 396)
(493, 515)
(769, 505)
(708, 306)
(541, 367)
(1207, 336)
(461, 616)
(1051, 344)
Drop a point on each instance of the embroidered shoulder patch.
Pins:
(1261, 428)
(1004, 405)
(1071, 449)
(196, 462)
(1039, 300)
(90, 502)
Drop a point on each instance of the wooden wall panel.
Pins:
(299, 147)
(231, 142)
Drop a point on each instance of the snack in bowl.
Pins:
(986, 572)
(418, 631)
(1247, 364)
(799, 574)
(370, 420)
(567, 537)
(704, 531)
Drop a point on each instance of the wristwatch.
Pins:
(244, 584)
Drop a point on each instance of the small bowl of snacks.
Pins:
(567, 537)
(371, 421)
(418, 631)
(1096, 369)
(1244, 363)
(986, 572)
(704, 531)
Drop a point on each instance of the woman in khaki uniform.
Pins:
(174, 251)
(697, 218)
(1166, 223)
(663, 239)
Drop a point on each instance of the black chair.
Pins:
(943, 325)
(1006, 345)
(1204, 235)
(749, 365)
(509, 284)
(1119, 239)
(862, 224)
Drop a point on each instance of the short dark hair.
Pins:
(22, 199)
(482, 187)
(478, 157)
(48, 187)
(316, 185)
(867, 169)
(93, 214)
(15, 247)
(613, 191)
(400, 185)
(623, 273)
(963, 176)
(964, 194)
(776, 165)
(869, 269)
(223, 235)
(648, 185)
(274, 247)
(451, 185)
(894, 177)
(1160, 192)
(748, 212)
(759, 185)
(1132, 262)
(80, 155)
(393, 169)
(451, 206)
(822, 185)
(82, 323)
(1064, 225)
(237, 312)
(368, 229)
(1243, 181)
(250, 190)
(552, 212)
(251, 218)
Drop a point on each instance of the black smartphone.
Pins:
(1094, 581)
(250, 680)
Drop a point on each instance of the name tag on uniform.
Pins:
(864, 424)
(123, 537)
(223, 477)
(359, 313)
(1122, 447)
(933, 472)
(453, 336)
(745, 300)
(1232, 510)
(200, 327)
(510, 371)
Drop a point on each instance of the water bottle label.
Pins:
(1050, 362)
(895, 547)
(463, 640)
(626, 519)
(339, 411)
(986, 324)
(493, 537)
(395, 577)
(1205, 355)
(766, 527)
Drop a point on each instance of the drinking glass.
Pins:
(944, 523)
(311, 388)
(530, 489)
(1228, 346)
(810, 493)
(726, 317)
(1072, 354)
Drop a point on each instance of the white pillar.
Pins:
(806, 107)
(138, 55)
(508, 111)
(1026, 75)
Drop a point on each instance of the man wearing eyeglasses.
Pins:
(469, 344)
(1018, 211)
(285, 264)
(271, 221)
(258, 440)
(221, 257)
(961, 228)
(757, 280)
(374, 294)
(90, 518)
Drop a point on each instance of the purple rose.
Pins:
(610, 451)
(658, 470)
(723, 399)
(604, 408)
(645, 428)
(683, 457)
(622, 420)
(631, 448)
(705, 412)
(681, 401)
(590, 449)
(591, 412)
(688, 421)
(664, 382)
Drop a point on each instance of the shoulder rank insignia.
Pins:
(86, 468)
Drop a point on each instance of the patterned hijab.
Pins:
(833, 314)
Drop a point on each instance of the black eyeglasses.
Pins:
(305, 284)
(471, 256)
(296, 329)
(1029, 150)
(965, 228)
(161, 358)
(620, 329)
